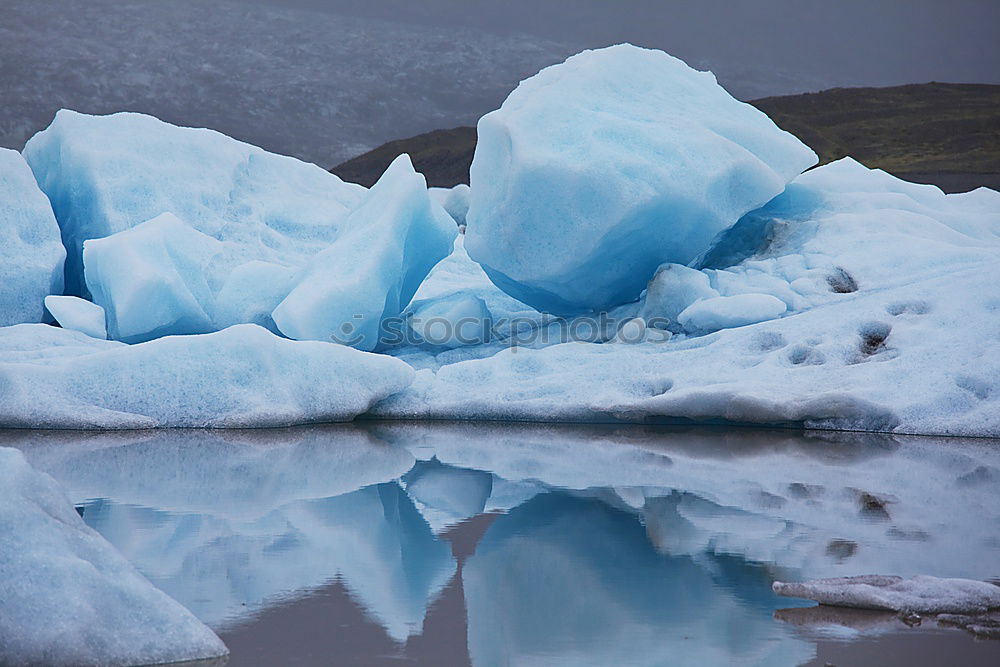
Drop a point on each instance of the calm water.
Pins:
(452, 544)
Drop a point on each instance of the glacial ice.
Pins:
(452, 321)
(454, 200)
(106, 174)
(31, 253)
(242, 376)
(921, 594)
(346, 291)
(874, 273)
(594, 172)
(729, 312)
(68, 598)
(152, 279)
(72, 312)
(673, 288)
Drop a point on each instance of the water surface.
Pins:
(452, 544)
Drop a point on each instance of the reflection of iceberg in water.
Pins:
(447, 495)
(617, 542)
(571, 581)
(225, 522)
(799, 500)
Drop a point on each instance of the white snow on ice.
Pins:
(243, 376)
(921, 594)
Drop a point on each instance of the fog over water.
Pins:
(326, 79)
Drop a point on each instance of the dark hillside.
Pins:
(942, 133)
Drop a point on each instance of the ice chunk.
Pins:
(398, 235)
(921, 594)
(251, 292)
(673, 288)
(596, 171)
(151, 279)
(458, 319)
(72, 312)
(68, 598)
(453, 200)
(727, 312)
(243, 376)
(106, 174)
(31, 253)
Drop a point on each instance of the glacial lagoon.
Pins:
(512, 544)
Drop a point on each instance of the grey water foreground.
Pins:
(486, 544)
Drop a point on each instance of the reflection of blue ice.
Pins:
(228, 522)
(373, 539)
(615, 538)
(447, 494)
(563, 580)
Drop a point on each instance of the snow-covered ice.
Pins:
(671, 290)
(729, 312)
(242, 376)
(921, 594)
(72, 312)
(68, 598)
(106, 174)
(31, 253)
(594, 172)
(398, 234)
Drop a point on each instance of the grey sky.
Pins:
(326, 79)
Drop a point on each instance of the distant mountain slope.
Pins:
(443, 156)
(942, 133)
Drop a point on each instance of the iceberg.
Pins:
(72, 312)
(31, 253)
(873, 273)
(243, 376)
(347, 290)
(68, 598)
(106, 174)
(596, 171)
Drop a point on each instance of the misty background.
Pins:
(325, 80)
